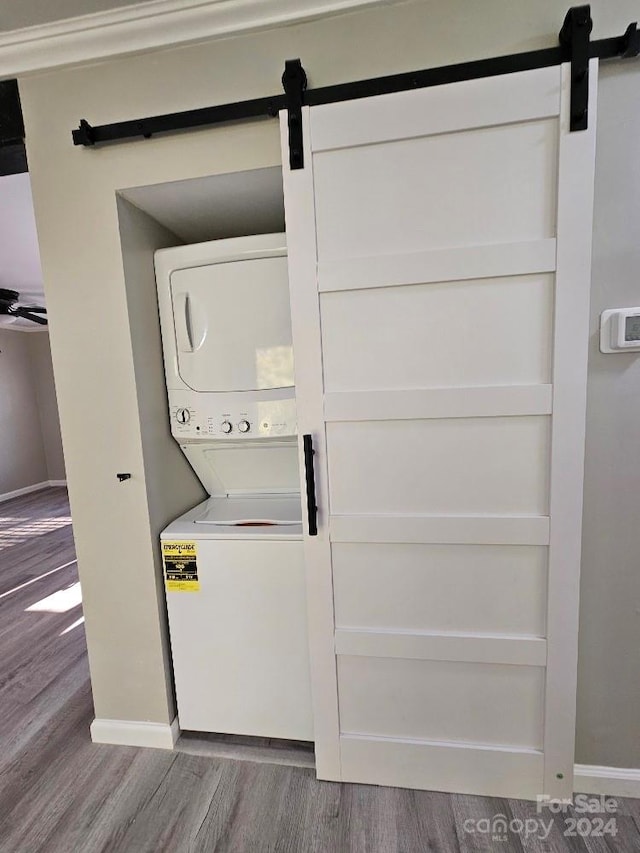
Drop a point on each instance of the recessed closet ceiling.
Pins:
(218, 206)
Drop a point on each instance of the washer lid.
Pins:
(246, 513)
(246, 468)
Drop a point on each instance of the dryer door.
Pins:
(232, 325)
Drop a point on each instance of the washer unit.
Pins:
(234, 565)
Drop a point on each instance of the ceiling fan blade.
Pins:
(9, 304)
(25, 314)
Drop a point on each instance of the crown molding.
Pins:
(150, 25)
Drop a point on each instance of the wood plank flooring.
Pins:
(59, 793)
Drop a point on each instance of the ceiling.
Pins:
(29, 13)
(19, 255)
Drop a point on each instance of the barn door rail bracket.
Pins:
(574, 36)
(294, 83)
(575, 47)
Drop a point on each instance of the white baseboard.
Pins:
(24, 491)
(617, 781)
(134, 733)
(588, 779)
(35, 487)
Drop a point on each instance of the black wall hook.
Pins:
(123, 477)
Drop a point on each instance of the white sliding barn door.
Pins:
(439, 260)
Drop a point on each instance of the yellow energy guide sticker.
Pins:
(180, 566)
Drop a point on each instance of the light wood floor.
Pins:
(59, 793)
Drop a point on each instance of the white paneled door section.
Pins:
(439, 264)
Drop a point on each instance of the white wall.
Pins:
(23, 461)
(19, 257)
(100, 378)
(42, 370)
(31, 448)
(608, 728)
(170, 482)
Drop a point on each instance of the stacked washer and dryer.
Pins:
(234, 564)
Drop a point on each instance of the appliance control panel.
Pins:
(196, 416)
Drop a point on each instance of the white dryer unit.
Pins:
(236, 591)
(226, 336)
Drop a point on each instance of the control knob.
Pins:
(244, 426)
(226, 427)
(183, 416)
